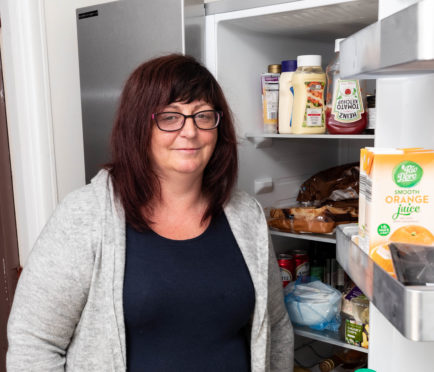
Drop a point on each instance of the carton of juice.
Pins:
(396, 200)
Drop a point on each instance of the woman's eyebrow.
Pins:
(175, 106)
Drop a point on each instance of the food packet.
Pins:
(333, 184)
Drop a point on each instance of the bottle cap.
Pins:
(309, 60)
(289, 65)
(337, 42)
(275, 69)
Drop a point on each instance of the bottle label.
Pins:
(270, 101)
(347, 101)
(314, 113)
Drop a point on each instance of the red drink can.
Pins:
(287, 268)
(302, 265)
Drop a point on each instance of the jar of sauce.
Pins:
(309, 79)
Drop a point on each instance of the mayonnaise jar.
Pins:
(309, 80)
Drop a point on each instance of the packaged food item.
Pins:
(396, 200)
(355, 312)
(340, 183)
(287, 268)
(286, 96)
(321, 220)
(270, 98)
(346, 101)
(309, 80)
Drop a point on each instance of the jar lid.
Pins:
(289, 65)
(337, 43)
(275, 69)
(309, 60)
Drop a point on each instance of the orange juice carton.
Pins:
(396, 200)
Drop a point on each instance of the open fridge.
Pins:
(391, 43)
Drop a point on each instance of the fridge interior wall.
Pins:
(242, 56)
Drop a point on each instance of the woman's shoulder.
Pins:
(242, 198)
(83, 206)
(243, 203)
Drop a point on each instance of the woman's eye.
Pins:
(169, 118)
(204, 116)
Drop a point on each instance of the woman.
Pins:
(157, 264)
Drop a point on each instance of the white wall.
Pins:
(40, 70)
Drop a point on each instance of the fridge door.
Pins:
(115, 38)
(405, 89)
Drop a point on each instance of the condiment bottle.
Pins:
(346, 102)
(309, 79)
(370, 127)
(270, 98)
(286, 96)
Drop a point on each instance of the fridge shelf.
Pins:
(311, 136)
(325, 238)
(326, 336)
(266, 140)
(408, 308)
(401, 44)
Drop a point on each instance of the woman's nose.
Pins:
(189, 129)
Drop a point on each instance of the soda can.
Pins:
(302, 267)
(287, 268)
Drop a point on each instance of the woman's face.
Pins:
(186, 151)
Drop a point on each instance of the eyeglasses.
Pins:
(173, 121)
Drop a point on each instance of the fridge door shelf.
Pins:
(326, 336)
(398, 45)
(408, 308)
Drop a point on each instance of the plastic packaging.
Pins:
(319, 220)
(309, 80)
(313, 304)
(286, 96)
(336, 184)
(413, 263)
(346, 111)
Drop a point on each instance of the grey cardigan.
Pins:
(67, 313)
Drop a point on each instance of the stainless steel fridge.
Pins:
(113, 39)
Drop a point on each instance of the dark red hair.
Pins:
(153, 85)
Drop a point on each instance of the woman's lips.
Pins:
(188, 150)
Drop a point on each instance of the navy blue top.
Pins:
(187, 303)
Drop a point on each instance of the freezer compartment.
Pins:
(408, 308)
(401, 44)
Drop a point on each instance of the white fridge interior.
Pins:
(240, 45)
